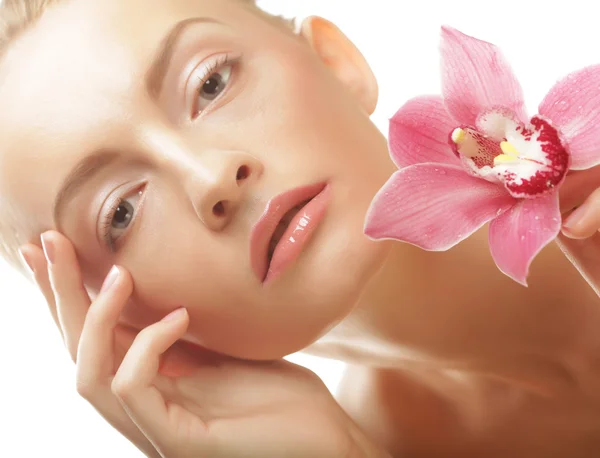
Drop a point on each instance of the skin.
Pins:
(480, 357)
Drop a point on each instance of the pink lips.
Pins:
(295, 236)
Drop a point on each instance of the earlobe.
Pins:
(343, 58)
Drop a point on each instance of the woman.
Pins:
(239, 159)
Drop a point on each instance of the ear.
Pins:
(343, 59)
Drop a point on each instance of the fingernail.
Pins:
(575, 218)
(175, 314)
(48, 246)
(28, 263)
(110, 279)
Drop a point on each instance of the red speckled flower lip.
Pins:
(530, 161)
(284, 228)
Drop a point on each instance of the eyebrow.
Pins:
(83, 172)
(158, 69)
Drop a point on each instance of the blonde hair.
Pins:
(16, 16)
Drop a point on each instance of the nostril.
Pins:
(219, 209)
(242, 173)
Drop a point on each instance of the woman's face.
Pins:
(155, 138)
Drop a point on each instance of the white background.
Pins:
(40, 413)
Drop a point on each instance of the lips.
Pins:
(281, 228)
(284, 228)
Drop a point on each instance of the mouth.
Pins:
(286, 225)
(282, 228)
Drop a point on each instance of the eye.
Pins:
(120, 216)
(212, 86)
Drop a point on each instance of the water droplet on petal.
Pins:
(522, 238)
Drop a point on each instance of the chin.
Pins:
(347, 259)
(311, 299)
(325, 295)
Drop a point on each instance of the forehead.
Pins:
(75, 74)
(83, 53)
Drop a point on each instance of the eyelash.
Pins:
(109, 215)
(107, 222)
(210, 69)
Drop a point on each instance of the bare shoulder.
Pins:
(399, 412)
(409, 415)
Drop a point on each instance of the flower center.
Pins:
(529, 161)
(510, 154)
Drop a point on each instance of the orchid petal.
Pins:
(434, 206)
(419, 133)
(573, 106)
(518, 235)
(476, 78)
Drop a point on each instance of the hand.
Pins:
(580, 239)
(209, 405)
(68, 303)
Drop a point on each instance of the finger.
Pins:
(96, 352)
(577, 187)
(585, 220)
(72, 300)
(133, 383)
(34, 257)
(585, 256)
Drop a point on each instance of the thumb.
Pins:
(577, 187)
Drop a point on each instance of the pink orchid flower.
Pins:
(470, 157)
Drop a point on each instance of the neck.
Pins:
(454, 311)
(369, 335)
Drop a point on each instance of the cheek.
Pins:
(328, 136)
(175, 261)
(322, 123)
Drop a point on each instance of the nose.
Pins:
(225, 181)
